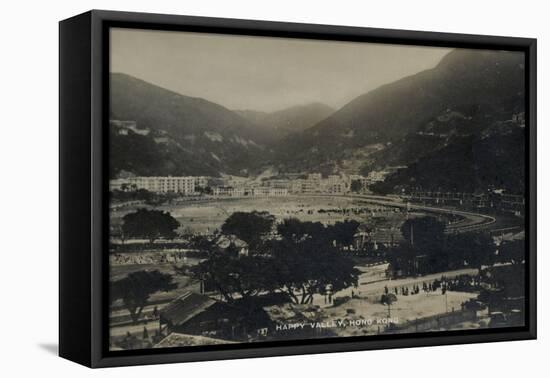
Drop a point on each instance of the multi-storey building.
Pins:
(296, 186)
(336, 184)
(337, 188)
(269, 192)
(228, 191)
(363, 181)
(156, 184)
(312, 184)
(278, 192)
(166, 184)
(279, 183)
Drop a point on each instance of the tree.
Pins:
(306, 267)
(136, 288)
(427, 249)
(513, 252)
(343, 232)
(204, 190)
(424, 248)
(388, 300)
(425, 232)
(402, 259)
(301, 263)
(476, 249)
(296, 230)
(250, 227)
(305, 259)
(149, 224)
(356, 186)
(231, 274)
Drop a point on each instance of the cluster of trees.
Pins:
(339, 234)
(506, 281)
(149, 224)
(296, 258)
(204, 190)
(512, 252)
(136, 288)
(427, 249)
(301, 258)
(356, 186)
(250, 227)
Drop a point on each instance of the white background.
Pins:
(29, 186)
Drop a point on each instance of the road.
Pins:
(471, 222)
(372, 281)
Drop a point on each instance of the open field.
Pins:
(205, 216)
(208, 215)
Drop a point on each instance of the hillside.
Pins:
(467, 92)
(288, 121)
(471, 164)
(449, 128)
(179, 134)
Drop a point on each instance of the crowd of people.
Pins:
(460, 283)
(167, 257)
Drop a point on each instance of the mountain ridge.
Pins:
(417, 122)
(193, 132)
(289, 120)
(464, 82)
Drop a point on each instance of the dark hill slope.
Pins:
(481, 87)
(288, 121)
(187, 135)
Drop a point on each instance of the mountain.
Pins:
(472, 164)
(398, 123)
(287, 121)
(457, 126)
(174, 134)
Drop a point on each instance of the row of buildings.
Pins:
(232, 186)
(186, 185)
(332, 184)
(260, 191)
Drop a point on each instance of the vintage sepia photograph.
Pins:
(270, 189)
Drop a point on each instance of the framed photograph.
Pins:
(234, 188)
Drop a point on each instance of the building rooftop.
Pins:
(180, 339)
(185, 308)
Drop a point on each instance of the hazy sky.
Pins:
(263, 73)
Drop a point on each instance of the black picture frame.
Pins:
(83, 110)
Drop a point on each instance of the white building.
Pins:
(228, 191)
(278, 192)
(296, 186)
(336, 184)
(269, 192)
(157, 184)
(166, 184)
(337, 188)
